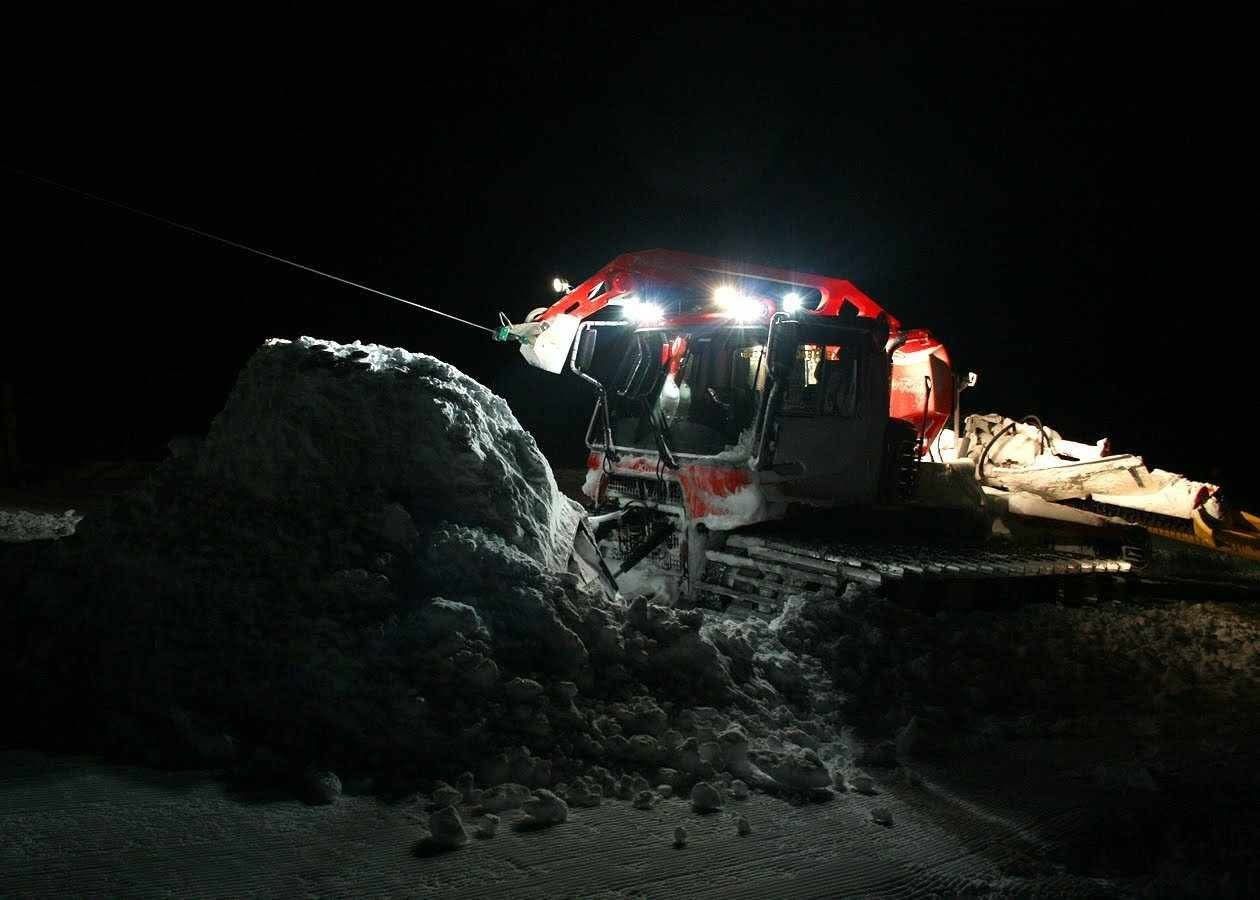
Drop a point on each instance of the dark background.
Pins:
(1056, 193)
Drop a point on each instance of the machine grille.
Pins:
(634, 530)
(647, 490)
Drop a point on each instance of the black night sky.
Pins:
(1047, 190)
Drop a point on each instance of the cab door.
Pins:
(822, 431)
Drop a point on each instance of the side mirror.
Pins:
(586, 349)
(783, 347)
(879, 333)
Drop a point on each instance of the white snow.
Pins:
(545, 808)
(306, 420)
(504, 797)
(705, 798)
(592, 483)
(743, 507)
(740, 452)
(1060, 469)
(21, 525)
(647, 577)
(311, 417)
(1165, 493)
(489, 825)
(446, 829)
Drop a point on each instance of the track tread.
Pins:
(776, 568)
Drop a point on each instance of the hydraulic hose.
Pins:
(985, 453)
(1027, 420)
(1046, 443)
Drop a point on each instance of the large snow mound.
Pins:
(309, 418)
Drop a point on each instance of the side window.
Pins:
(749, 368)
(839, 384)
(823, 382)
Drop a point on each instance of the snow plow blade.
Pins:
(1240, 537)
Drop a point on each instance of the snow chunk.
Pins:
(467, 786)
(489, 825)
(504, 797)
(523, 690)
(644, 800)
(322, 788)
(447, 829)
(864, 784)
(545, 808)
(309, 418)
(584, 792)
(445, 795)
(798, 770)
(21, 525)
(705, 798)
(441, 619)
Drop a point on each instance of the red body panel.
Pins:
(715, 494)
(922, 356)
(626, 272)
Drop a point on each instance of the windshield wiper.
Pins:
(660, 431)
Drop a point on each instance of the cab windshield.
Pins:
(698, 389)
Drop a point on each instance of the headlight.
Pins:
(739, 306)
(641, 312)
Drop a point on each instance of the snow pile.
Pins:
(20, 525)
(343, 578)
(361, 575)
(312, 418)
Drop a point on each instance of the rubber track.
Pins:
(762, 572)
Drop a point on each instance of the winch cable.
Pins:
(254, 250)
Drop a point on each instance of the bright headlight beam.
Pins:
(640, 312)
(746, 309)
(560, 285)
(736, 304)
(792, 302)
